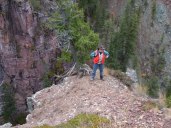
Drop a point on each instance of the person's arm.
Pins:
(92, 54)
(106, 53)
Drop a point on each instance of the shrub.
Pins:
(20, 119)
(68, 21)
(36, 4)
(153, 86)
(95, 10)
(168, 95)
(47, 82)
(66, 56)
(158, 64)
(82, 121)
(153, 10)
(9, 108)
(168, 101)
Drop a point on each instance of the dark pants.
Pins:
(95, 67)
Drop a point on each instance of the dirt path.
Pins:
(109, 98)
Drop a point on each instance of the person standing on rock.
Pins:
(99, 57)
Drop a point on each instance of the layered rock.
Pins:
(26, 51)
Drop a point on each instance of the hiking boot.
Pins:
(102, 79)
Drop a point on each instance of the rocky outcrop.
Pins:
(7, 125)
(109, 98)
(26, 50)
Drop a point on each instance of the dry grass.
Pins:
(141, 90)
(106, 71)
(149, 105)
(162, 100)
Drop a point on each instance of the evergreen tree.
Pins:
(69, 20)
(123, 44)
(95, 13)
(9, 103)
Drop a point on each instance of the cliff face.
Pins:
(26, 50)
(153, 39)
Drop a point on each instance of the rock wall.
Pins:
(154, 40)
(26, 50)
(154, 36)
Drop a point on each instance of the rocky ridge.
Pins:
(109, 98)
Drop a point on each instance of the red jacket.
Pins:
(96, 58)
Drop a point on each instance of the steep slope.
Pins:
(109, 98)
(26, 51)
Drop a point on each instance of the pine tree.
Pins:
(123, 44)
(69, 20)
(9, 103)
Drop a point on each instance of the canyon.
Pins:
(28, 50)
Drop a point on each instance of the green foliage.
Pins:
(68, 21)
(157, 65)
(66, 56)
(9, 110)
(123, 44)
(36, 4)
(107, 32)
(158, 61)
(168, 95)
(58, 69)
(97, 15)
(94, 10)
(152, 86)
(82, 121)
(100, 16)
(168, 101)
(45, 126)
(168, 90)
(153, 11)
(20, 119)
(9, 103)
(89, 6)
(47, 82)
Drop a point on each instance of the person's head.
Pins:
(101, 49)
